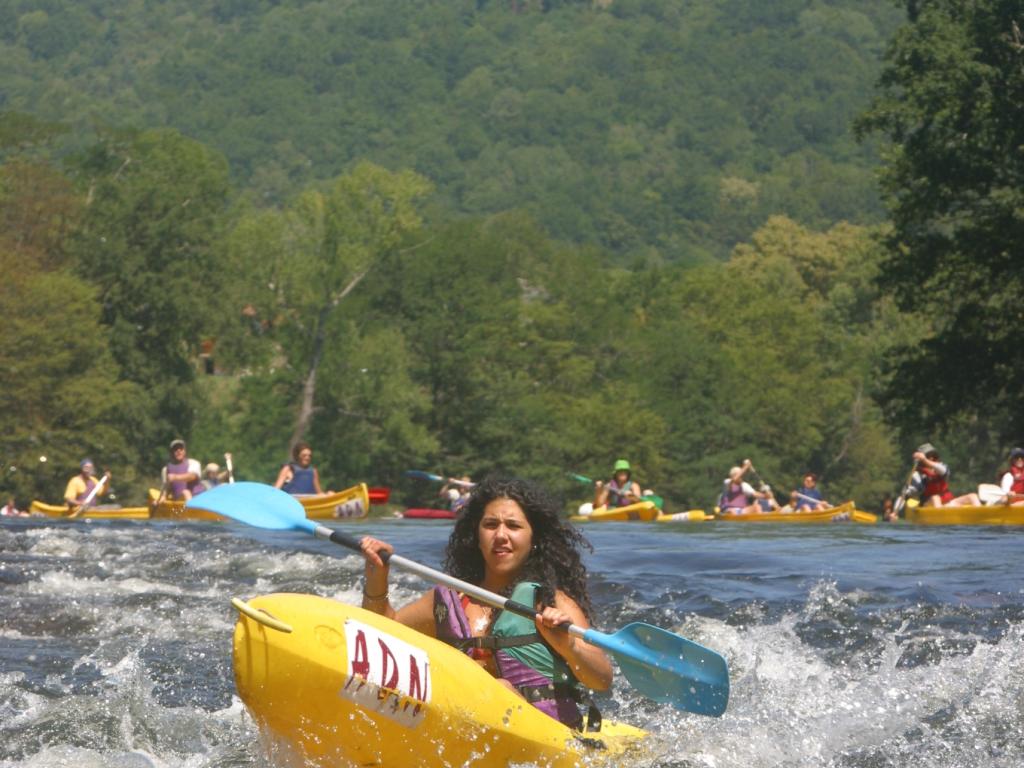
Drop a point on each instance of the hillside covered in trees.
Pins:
(474, 236)
(651, 128)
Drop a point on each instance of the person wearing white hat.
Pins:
(213, 475)
(181, 475)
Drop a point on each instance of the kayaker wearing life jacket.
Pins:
(620, 491)
(81, 485)
(299, 476)
(931, 481)
(182, 477)
(1012, 481)
(510, 539)
(738, 496)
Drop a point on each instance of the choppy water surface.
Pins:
(848, 645)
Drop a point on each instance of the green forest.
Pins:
(528, 237)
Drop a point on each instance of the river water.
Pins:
(848, 645)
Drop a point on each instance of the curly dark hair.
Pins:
(554, 561)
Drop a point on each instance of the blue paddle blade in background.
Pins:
(668, 668)
(263, 506)
(423, 475)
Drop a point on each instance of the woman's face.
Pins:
(305, 457)
(505, 538)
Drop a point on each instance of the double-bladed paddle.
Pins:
(438, 478)
(660, 664)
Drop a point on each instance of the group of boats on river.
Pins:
(925, 498)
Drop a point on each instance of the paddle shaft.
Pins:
(483, 595)
(586, 480)
(92, 495)
(809, 498)
(438, 478)
(901, 500)
(754, 472)
(231, 471)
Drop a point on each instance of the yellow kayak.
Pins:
(330, 684)
(642, 510)
(352, 503)
(994, 515)
(101, 512)
(841, 513)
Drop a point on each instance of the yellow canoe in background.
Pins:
(642, 510)
(994, 515)
(102, 512)
(842, 513)
(351, 503)
(330, 684)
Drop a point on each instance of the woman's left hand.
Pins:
(548, 619)
(587, 662)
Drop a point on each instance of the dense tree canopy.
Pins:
(648, 127)
(952, 103)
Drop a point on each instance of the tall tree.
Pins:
(304, 262)
(155, 208)
(951, 104)
(60, 393)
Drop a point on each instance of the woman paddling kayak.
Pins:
(510, 540)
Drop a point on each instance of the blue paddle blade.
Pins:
(668, 668)
(256, 504)
(424, 475)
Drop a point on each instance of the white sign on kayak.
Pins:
(385, 674)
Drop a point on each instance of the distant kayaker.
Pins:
(1012, 481)
(181, 476)
(213, 475)
(808, 495)
(299, 477)
(510, 540)
(930, 481)
(620, 491)
(889, 513)
(10, 509)
(81, 485)
(456, 491)
(738, 496)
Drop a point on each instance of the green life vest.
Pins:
(536, 655)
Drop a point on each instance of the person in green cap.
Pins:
(620, 491)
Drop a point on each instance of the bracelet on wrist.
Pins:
(376, 598)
